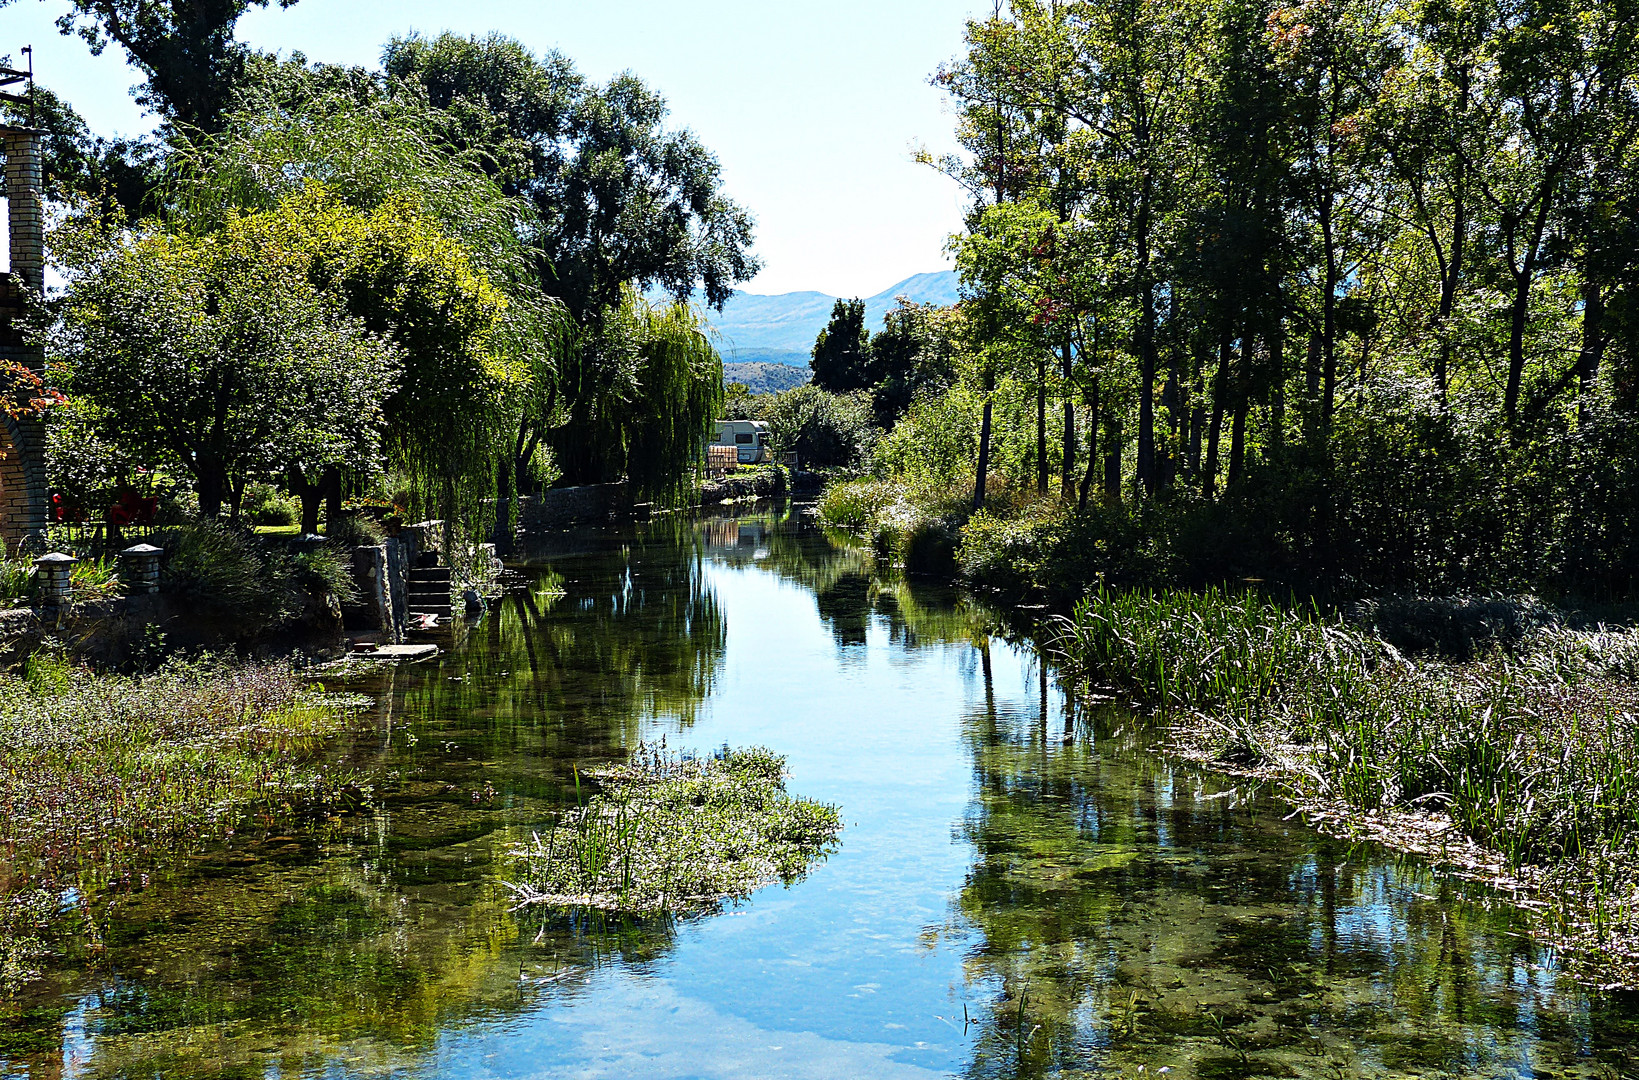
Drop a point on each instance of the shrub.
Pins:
(231, 571)
(264, 504)
(823, 428)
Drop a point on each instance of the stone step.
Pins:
(430, 573)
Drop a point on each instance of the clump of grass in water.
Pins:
(682, 834)
(1531, 752)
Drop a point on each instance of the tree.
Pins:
(911, 356)
(621, 202)
(217, 354)
(454, 446)
(841, 358)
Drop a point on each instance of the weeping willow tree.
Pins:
(642, 390)
(489, 355)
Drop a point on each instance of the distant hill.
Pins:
(781, 329)
(767, 378)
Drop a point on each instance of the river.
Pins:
(1022, 888)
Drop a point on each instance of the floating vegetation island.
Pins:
(666, 832)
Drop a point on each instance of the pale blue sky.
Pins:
(812, 107)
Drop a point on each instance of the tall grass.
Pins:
(1532, 752)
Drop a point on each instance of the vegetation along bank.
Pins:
(103, 771)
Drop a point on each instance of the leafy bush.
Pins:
(264, 504)
(327, 570)
(823, 428)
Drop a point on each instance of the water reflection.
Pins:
(1022, 890)
(1132, 916)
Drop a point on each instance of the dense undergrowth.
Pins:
(1530, 750)
(99, 771)
(678, 834)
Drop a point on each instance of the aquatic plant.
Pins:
(1525, 762)
(98, 771)
(673, 833)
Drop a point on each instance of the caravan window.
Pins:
(743, 437)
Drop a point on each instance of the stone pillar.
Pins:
(53, 574)
(139, 569)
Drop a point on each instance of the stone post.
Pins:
(139, 569)
(53, 573)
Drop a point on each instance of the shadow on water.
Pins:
(1104, 910)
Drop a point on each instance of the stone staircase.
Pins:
(429, 591)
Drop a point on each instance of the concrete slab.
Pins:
(402, 652)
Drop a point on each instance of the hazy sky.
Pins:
(812, 107)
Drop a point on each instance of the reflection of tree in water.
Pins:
(849, 584)
(1124, 919)
(361, 945)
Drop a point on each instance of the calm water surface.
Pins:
(1022, 890)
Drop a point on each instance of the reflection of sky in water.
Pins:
(993, 854)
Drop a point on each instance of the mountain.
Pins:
(762, 378)
(780, 329)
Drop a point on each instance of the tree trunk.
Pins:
(1517, 312)
(212, 487)
(1277, 393)
(982, 470)
(1067, 479)
(332, 497)
(1220, 389)
(1593, 345)
(1237, 443)
(1146, 354)
(1092, 444)
(1328, 321)
(1459, 239)
(1112, 461)
(311, 494)
(1042, 471)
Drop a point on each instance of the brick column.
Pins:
(23, 507)
(24, 185)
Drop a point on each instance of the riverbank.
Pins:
(100, 771)
(1519, 768)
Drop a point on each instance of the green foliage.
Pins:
(1348, 286)
(219, 354)
(623, 201)
(229, 570)
(187, 52)
(664, 388)
(679, 834)
(841, 357)
(328, 572)
(264, 504)
(823, 428)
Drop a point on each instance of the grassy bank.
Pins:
(679, 834)
(99, 773)
(1519, 767)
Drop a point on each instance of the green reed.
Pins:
(1532, 752)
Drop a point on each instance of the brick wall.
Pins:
(22, 442)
